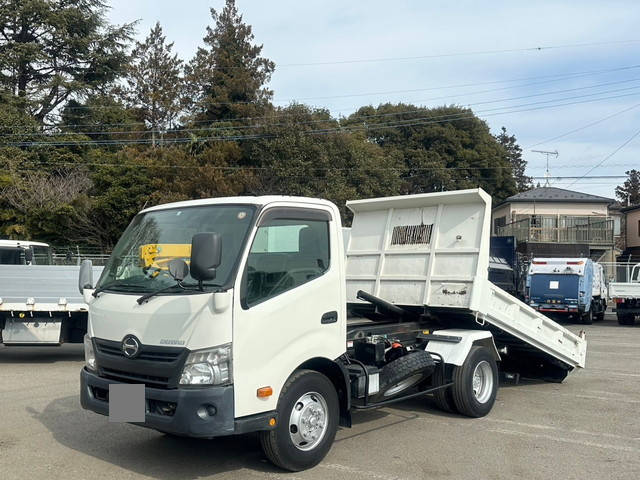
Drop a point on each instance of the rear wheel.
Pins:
(587, 317)
(443, 398)
(626, 318)
(476, 383)
(308, 412)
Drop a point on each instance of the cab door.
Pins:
(289, 304)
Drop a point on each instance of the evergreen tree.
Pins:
(53, 50)
(155, 82)
(514, 155)
(444, 148)
(226, 78)
(629, 192)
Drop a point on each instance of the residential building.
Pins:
(631, 223)
(550, 221)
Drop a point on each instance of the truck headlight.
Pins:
(89, 354)
(208, 367)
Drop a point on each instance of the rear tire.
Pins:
(308, 413)
(626, 318)
(587, 317)
(443, 398)
(476, 383)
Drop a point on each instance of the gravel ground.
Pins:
(587, 427)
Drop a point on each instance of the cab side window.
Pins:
(284, 255)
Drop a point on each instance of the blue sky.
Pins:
(318, 31)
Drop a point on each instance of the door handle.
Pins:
(329, 317)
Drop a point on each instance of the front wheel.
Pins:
(476, 383)
(308, 412)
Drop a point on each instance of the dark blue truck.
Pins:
(573, 288)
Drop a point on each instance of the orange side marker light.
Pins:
(265, 392)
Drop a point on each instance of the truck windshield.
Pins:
(139, 262)
(11, 256)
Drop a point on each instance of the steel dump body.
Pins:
(431, 251)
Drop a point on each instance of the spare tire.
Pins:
(403, 373)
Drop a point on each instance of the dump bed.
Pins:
(432, 251)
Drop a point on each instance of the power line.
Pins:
(550, 79)
(413, 122)
(583, 127)
(460, 54)
(365, 117)
(624, 144)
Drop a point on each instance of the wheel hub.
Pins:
(308, 421)
(482, 383)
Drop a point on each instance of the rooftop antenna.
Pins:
(547, 175)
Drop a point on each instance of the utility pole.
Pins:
(547, 174)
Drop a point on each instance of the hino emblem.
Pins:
(130, 346)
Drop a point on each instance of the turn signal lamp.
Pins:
(265, 392)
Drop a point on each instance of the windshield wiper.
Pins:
(147, 296)
(111, 285)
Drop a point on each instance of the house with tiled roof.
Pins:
(554, 221)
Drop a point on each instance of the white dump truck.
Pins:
(244, 314)
(626, 296)
(40, 304)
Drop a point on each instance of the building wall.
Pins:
(549, 208)
(633, 227)
(510, 210)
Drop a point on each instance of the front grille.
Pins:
(154, 366)
(156, 354)
(129, 377)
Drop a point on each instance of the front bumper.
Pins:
(175, 410)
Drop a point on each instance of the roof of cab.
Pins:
(247, 200)
(22, 243)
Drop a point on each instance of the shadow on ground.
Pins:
(147, 452)
(63, 353)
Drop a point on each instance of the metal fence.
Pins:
(560, 229)
(74, 254)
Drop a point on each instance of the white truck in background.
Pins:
(24, 252)
(39, 302)
(244, 315)
(626, 296)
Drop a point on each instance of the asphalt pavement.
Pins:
(585, 428)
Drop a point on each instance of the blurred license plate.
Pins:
(126, 402)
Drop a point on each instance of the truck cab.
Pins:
(272, 303)
(24, 252)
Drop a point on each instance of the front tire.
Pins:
(476, 383)
(308, 412)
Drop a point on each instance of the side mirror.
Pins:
(85, 279)
(206, 255)
(28, 255)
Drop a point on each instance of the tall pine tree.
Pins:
(155, 82)
(227, 77)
